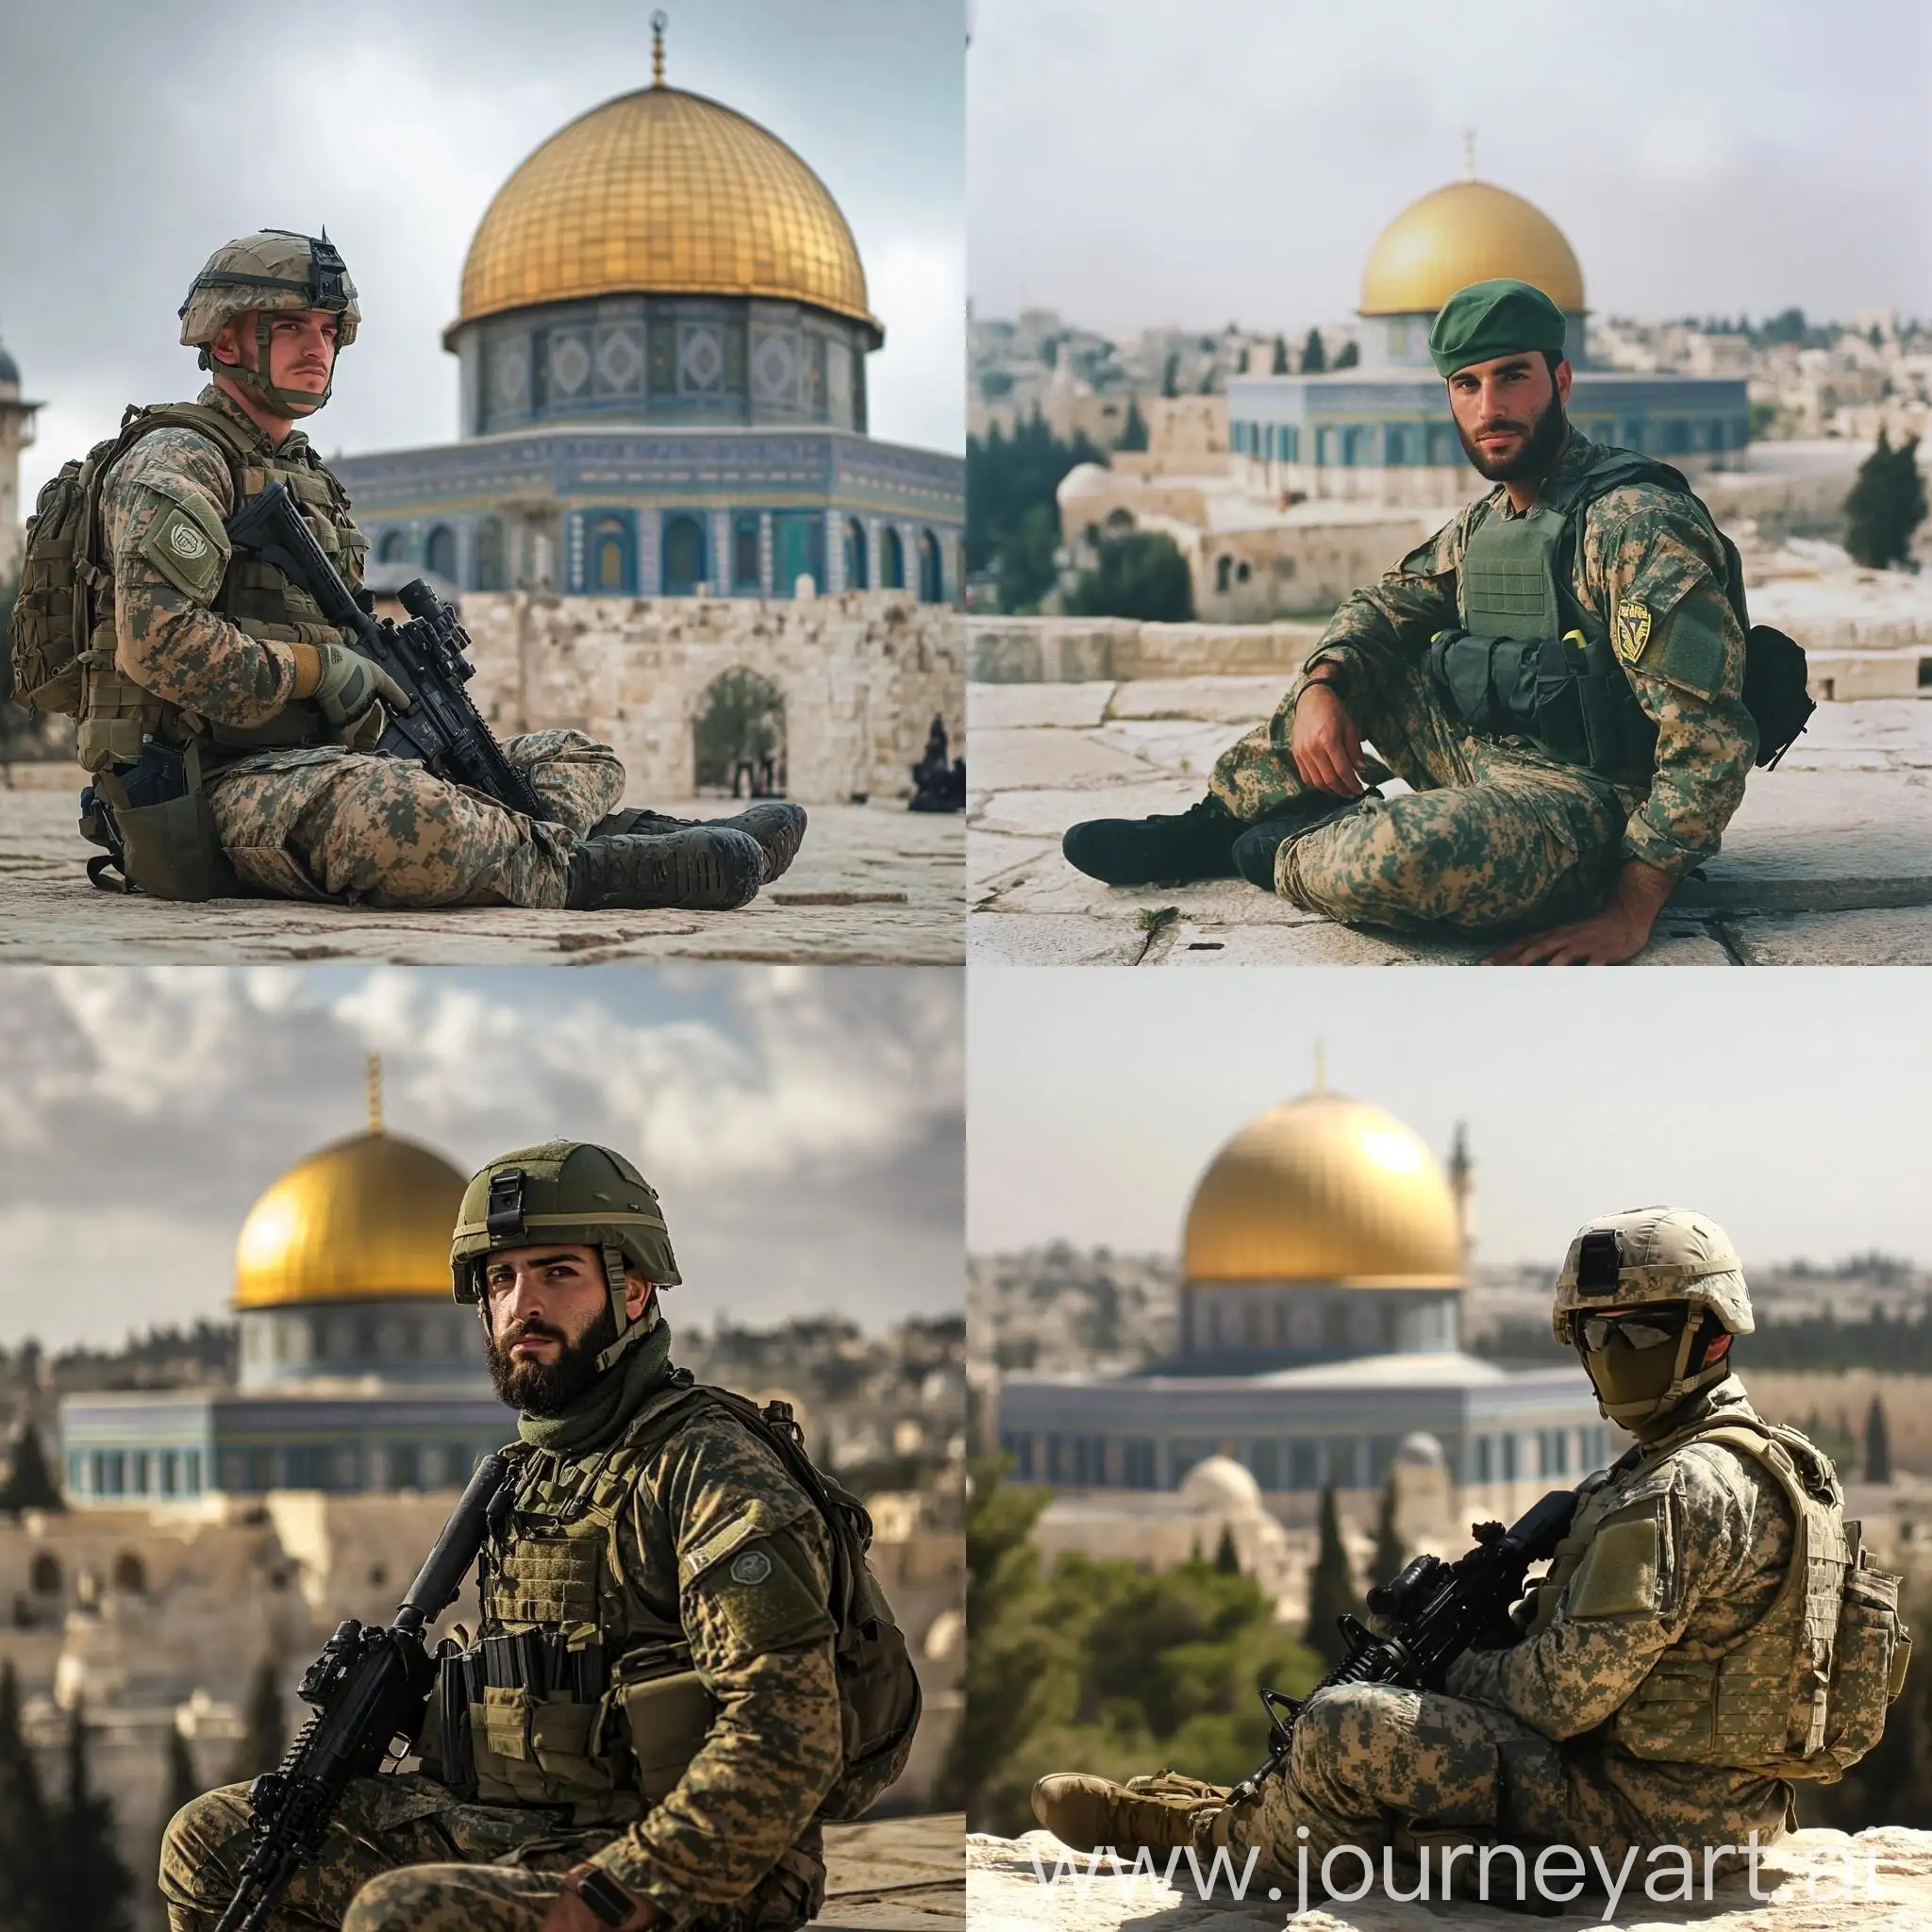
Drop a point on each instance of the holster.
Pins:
(158, 827)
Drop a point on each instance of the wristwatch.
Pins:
(607, 1899)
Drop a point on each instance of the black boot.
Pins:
(1255, 850)
(705, 870)
(779, 827)
(1197, 843)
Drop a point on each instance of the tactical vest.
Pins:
(581, 1691)
(1801, 1693)
(1531, 660)
(71, 577)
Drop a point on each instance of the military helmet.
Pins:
(1651, 1255)
(272, 271)
(574, 1192)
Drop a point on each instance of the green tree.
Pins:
(1027, 570)
(1314, 356)
(1227, 1559)
(1350, 355)
(1332, 1590)
(1134, 432)
(1007, 478)
(1242, 367)
(90, 1888)
(1138, 574)
(264, 1727)
(1279, 366)
(29, 1482)
(1877, 1444)
(24, 1905)
(1885, 506)
(1170, 375)
(1390, 1553)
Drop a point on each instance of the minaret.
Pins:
(659, 23)
(1462, 1186)
(16, 432)
(373, 1085)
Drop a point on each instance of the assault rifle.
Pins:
(369, 1688)
(443, 728)
(1433, 1613)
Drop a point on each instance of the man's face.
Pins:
(549, 1317)
(1509, 415)
(301, 348)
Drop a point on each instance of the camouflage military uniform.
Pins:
(1496, 834)
(731, 1847)
(313, 820)
(1524, 1745)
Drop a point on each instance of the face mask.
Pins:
(1640, 1365)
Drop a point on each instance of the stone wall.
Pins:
(1073, 650)
(862, 675)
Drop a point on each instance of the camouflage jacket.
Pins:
(761, 1638)
(1640, 543)
(167, 639)
(1729, 1545)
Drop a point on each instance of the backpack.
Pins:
(61, 569)
(879, 1689)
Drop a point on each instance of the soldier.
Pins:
(651, 1721)
(1565, 786)
(221, 653)
(1669, 1683)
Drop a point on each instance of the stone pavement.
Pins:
(1829, 861)
(896, 1875)
(872, 886)
(1804, 1877)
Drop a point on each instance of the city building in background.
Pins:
(16, 432)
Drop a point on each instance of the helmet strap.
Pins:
(629, 1332)
(290, 402)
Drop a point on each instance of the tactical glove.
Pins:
(350, 686)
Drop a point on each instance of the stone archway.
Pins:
(738, 736)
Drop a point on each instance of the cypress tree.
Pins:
(90, 1888)
(24, 1905)
(1885, 506)
(1170, 375)
(1389, 1553)
(1134, 433)
(30, 1483)
(1314, 356)
(1877, 1444)
(1228, 1560)
(1280, 364)
(1331, 1587)
(1351, 353)
(264, 1735)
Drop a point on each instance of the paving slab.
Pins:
(896, 1875)
(1008, 707)
(1054, 939)
(1829, 860)
(872, 885)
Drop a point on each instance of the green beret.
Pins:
(1503, 317)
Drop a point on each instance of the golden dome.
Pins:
(663, 192)
(1467, 232)
(1324, 1190)
(367, 1217)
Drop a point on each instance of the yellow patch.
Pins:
(1633, 630)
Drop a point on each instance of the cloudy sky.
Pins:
(803, 1128)
(136, 137)
(1137, 162)
(1790, 1105)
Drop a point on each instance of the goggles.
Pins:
(1637, 1331)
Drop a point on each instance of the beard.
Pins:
(1537, 457)
(547, 1388)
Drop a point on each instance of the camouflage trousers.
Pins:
(402, 1855)
(1493, 838)
(1374, 1766)
(321, 823)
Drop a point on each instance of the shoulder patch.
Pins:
(1619, 1575)
(765, 1595)
(1632, 630)
(179, 544)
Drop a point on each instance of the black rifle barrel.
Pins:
(443, 1573)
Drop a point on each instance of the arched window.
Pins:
(130, 1574)
(684, 554)
(389, 550)
(892, 560)
(932, 586)
(747, 573)
(46, 1574)
(1224, 569)
(440, 553)
(614, 567)
(857, 578)
(487, 567)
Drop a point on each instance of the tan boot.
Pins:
(1165, 1812)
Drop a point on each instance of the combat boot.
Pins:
(779, 827)
(1174, 847)
(1255, 850)
(705, 870)
(1165, 1812)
